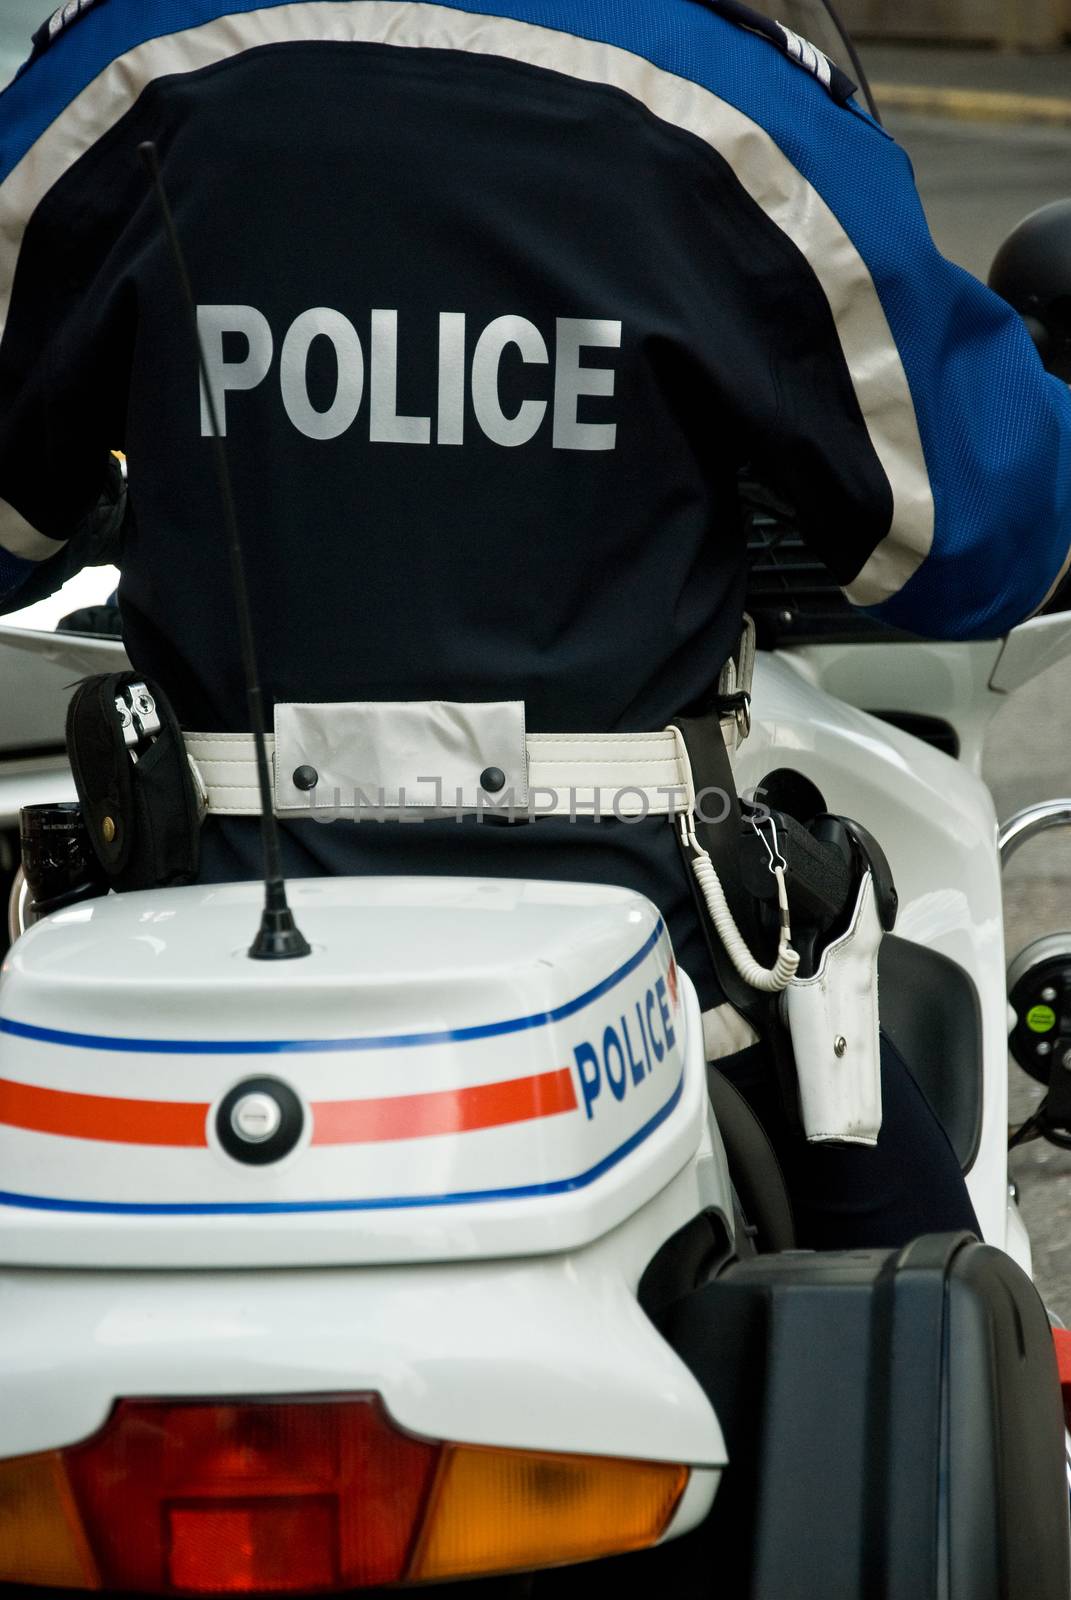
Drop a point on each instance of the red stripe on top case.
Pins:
(105, 1117)
(419, 1116)
(114, 1120)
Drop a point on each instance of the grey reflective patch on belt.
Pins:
(371, 755)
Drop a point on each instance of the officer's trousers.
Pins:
(851, 1197)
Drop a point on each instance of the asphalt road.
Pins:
(977, 181)
(19, 20)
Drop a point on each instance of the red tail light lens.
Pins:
(247, 1497)
(1061, 1338)
(271, 1545)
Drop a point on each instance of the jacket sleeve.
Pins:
(95, 541)
(61, 496)
(935, 480)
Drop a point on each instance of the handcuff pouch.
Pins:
(142, 814)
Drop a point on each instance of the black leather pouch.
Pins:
(143, 816)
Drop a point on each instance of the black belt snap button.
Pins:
(306, 777)
(492, 779)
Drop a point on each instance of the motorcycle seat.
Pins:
(931, 1012)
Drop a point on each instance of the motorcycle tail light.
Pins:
(312, 1495)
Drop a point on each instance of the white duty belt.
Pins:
(376, 759)
(380, 759)
(372, 759)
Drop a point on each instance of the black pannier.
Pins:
(894, 1425)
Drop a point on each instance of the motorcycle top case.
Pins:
(894, 1427)
(460, 1069)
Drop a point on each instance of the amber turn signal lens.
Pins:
(41, 1539)
(508, 1510)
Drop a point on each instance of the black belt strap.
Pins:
(717, 827)
(712, 772)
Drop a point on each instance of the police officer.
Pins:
(497, 298)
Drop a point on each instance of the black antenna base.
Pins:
(278, 937)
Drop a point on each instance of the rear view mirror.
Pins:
(1032, 271)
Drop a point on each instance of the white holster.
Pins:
(833, 1020)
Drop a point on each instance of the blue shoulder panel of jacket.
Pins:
(61, 18)
(830, 76)
(805, 54)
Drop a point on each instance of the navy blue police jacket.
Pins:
(497, 298)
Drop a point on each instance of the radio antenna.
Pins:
(278, 937)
